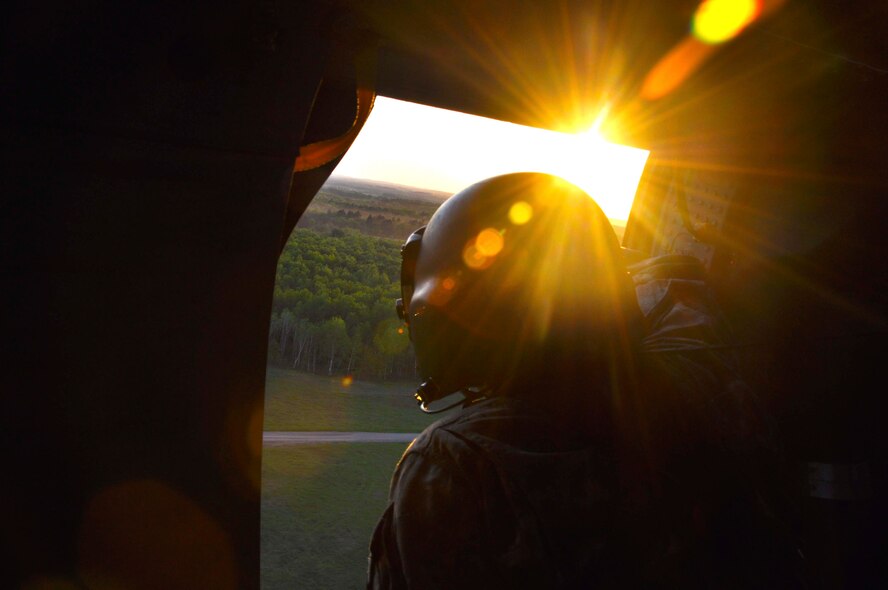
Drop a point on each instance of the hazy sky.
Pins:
(425, 147)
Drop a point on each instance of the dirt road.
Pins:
(301, 438)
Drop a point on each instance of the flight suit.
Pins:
(521, 490)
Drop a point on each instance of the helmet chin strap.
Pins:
(428, 392)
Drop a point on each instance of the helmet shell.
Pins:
(517, 276)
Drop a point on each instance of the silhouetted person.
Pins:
(604, 440)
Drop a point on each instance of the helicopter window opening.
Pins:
(421, 146)
(339, 409)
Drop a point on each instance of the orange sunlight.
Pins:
(426, 147)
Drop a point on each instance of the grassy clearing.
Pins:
(302, 401)
(320, 504)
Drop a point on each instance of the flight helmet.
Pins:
(517, 278)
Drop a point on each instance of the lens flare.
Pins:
(520, 213)
(489, 242)
(347, 381)
(473, 258)
(717, 21)
(448, 284)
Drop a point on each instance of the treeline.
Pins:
(333, 310)
(379, 225)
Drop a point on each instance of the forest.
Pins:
(337, 280)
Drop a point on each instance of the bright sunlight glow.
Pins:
(716, 21)
(415, 145)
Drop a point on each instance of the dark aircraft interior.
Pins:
(157, 155)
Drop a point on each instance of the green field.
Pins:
(320, 502)
(302, 401)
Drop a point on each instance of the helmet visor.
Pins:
(409, 254)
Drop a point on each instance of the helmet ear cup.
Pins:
(445, 350)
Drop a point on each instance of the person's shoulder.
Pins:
(434, 431)
(443, 431)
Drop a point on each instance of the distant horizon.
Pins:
(390, 182)
(446, 195)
